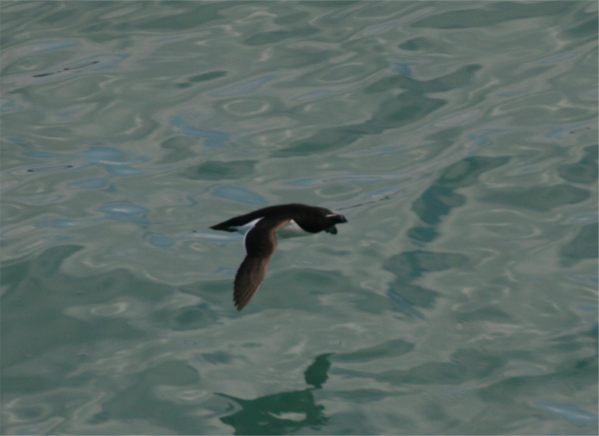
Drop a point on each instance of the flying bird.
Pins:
(260, 228)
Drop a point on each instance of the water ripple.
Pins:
(459, 139)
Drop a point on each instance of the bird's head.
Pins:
(317, 219)
(335, 218)
(331, 220)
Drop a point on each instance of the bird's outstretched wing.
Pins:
(260, 244)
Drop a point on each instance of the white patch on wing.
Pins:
(244, 229)
(290, 230)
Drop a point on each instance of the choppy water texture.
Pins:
(458, 138)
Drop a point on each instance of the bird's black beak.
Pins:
(341, 219)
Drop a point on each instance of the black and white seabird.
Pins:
(260, 228)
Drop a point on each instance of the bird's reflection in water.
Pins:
(285, 412)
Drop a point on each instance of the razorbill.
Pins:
(260, 228)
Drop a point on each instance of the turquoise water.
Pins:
(459, 138)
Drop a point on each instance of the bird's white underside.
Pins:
(290, 230)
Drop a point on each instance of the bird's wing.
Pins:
(241, 220)
(260, 244)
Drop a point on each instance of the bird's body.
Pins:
(260, 228)
(289, 230)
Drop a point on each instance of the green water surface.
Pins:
(459, 139)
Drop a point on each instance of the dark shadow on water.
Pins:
(432, 207)
(585, 171)
(404, 100)
(443, 195)
(271, 414)
(583, 246)
(408, 297)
